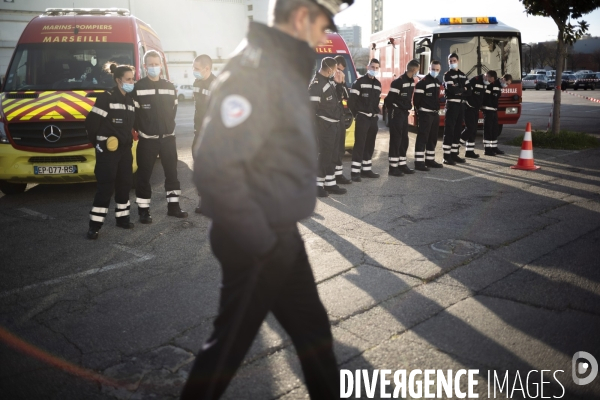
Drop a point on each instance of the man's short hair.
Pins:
(152, 53)
(507, 77)
(283, 10)
(454, 55)
(413, 64)
(435, 62)
(204, 60)
(374, 61)
(492, 74)
(328, 62)
(340, 60)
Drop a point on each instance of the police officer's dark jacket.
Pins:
(158, 105)
(364, 96)
(256, 157)
(201, 93)
(324, 98)
(427, 94)
(455, 82)
(476, 91)
(401, 93)
(112, 115)
(492, 96)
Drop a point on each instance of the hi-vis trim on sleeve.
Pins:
(117, 106)
(99, 111)
(421, 90)
(394, 90)
(326, 87)
(377, 88)
(449, 83)
(166, 91)
(355, 91)
(206, 92)
(235, 109)
(131, 108)
(196, 89)
(315, 98)
(136, 104)
(496, 88)
(142, 134)
(176, 101)
(479, 86)
(146, 92)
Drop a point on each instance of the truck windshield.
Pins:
(479, 54)
(65, 66)
(349, 71)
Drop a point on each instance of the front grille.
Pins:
(53, 160)
(31, 134)
(22, 95)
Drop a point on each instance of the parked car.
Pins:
(586, 81)
(584, 71)
(536, 82)
(568, 80)
(184, 92)
(537, 72)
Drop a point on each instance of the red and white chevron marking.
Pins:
(583, 97)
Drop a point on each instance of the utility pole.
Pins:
(376, 16)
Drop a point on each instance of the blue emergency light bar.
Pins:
(468, 20)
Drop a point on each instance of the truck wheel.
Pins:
(12, 188)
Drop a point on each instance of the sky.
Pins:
(510, 12)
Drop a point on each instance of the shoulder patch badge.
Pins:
(235, 109)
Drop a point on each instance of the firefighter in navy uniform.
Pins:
(473, 103)
(324, 98)
(491, 129)
(256, 162)
(399, 101)
(364, 104)
(343, 95)
(427, 105)
(109, 127)
(455, 83)
(155, 123)
(202, 69)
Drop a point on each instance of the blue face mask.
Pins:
(153, 72)
(127, 87)
(198, 75)
(434, 74)
(453, 66)
(372, 73)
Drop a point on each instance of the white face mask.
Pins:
(434, 74)
(374, 74)
(453, 66)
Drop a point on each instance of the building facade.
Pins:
(352, 35)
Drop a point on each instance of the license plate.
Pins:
(54, 170)
(480, 121)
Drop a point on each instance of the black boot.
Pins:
(421, 166)
(449, 160)
(145, 217)
(355, 177)
(335, 189)
(471, 154)
(394, 171)
(497, 150)
(405, 170)
(342, 180)
(321, 192)
(457, 159)
(94, 228)
(489, 151)
(369, 174)
(173, 210)
(124, 222)
(433, 164)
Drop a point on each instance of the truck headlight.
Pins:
(442, 111)
(3, 136)
(512, 110)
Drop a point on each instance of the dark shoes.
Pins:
(124, 223)
(395, 171)
(92, 234)
(335, 189)
(174, 211)
(457, 159)
(498, 151)
(433, 164)
(490, 152)
(449, 160)
(321, 192)
(145, 217)
(471, 154)
(405, 170)
(355, 177)
(342, 180)
(368, 174)
(421, 166)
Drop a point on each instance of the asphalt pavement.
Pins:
(477, 266)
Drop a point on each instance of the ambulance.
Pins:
(482, 43)
(333, 47)
(51, 84)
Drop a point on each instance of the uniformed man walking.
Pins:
(255, 168)
(202, 68)
(343, 95)
(109, 125)
(399, 101)
(477, 87)
(491, 129)
(364, 104)
(427, 103)
(155, 123)
(324, 97)
(455, 83)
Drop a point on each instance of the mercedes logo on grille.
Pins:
(52, 133)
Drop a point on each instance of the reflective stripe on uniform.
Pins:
(367, 114)
(122, 213)
(315, 98)
(175, 192)
(326, 87)
(406, 85)
(328, 119)
(96, 218)
(100, 210)
(142, 134)
(196, 90)
(419, 91)
(117, 106)
(427, 110)
(366, 86)
(101, 138)
(430, 85)
(166, 91)
(394, 90)
(489, 108)
(455, 100)
(99, 111)
(206, 92)
(355, 91)
(146, 92)
(377, 88)
(136, 104)
(122, 206)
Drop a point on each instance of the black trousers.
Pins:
(365, 133)
(453, 127)
(327, 134)
(341, 149)
(282, 284)
(114, 173)
(469, 134)
(490, 129)
(398, 137)
(147, 151)
(429, 123)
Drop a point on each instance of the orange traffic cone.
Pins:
(526, 158)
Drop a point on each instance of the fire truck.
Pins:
(482, 43)
(336, 46)
(51, 84)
